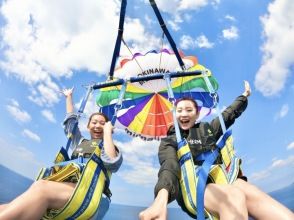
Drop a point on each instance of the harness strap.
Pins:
(202, 179)
(167, 34)
(118, 105)
(92, 180)
(119, 37)
(172, 98)
(81, 110)
(215, 98)
(209, 158)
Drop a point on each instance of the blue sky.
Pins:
(50, 45)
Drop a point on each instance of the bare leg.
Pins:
(2, 207)
(227, 201)
(33, 203)
(260, 205)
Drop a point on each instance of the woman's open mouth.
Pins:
(185, 122)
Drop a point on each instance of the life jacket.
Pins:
(201, 139)
(224, 172)
(90, 175)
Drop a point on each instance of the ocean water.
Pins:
(285, 196)
(13, 184)
(124, 212)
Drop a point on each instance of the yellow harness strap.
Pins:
(225, 173)
(86, 197)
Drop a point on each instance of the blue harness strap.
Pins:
(119, 37)
(202, 179)
(107, 179)
(208, 158)
(81, 109)
(166, 32)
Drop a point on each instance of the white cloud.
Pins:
(187, 42)
(149, 20)
(138, 38)
(31, 135)
(48, 115)
(45, 94)
(283, 112)
(172, 6)
(24, 161)
(201, 41)
(174, 25)
(230, 17)
(260, 175)
(290, 146)
(176, 20)
(139, 157)
(187, 17)
(278, 48)
(180, 8)
(18, 114)
(14, 102)
(43, 42)
(192, 4)
(231, 33)
(276, 165)
(144, 174)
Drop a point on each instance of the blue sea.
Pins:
(124, 212)
(13, 184)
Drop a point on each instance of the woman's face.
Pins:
(186, 113)
(95, 126)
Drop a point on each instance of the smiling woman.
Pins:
(57, 188)
(232, 200)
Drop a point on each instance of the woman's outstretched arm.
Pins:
(109, 147)
(68, 99)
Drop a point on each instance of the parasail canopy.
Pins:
(146, 110)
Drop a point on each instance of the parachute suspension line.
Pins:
(162, 39)
(181, 88)
(85, 99)
(80, 111)
(203, 173)
(167, 34)
(119, 37)
(215, 103)
(118, 105)
(132, 54)
(208, 162)
(214, 96)
(171, 98)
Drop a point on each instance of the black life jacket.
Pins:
(201, 139)
(86, 148)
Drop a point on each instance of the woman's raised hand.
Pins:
(108, 127)
(67, 92)
(247, 89)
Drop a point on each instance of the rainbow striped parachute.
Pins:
(146, 108)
